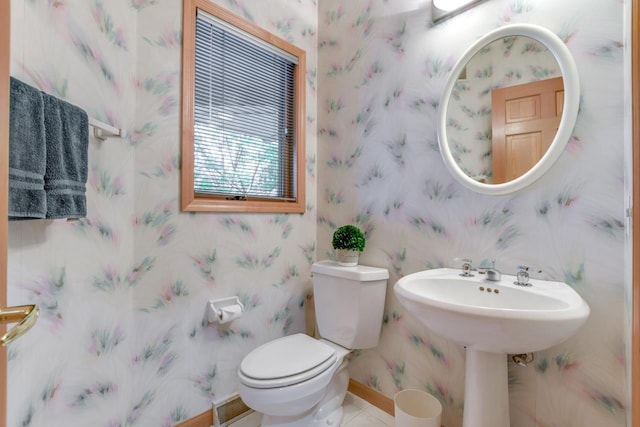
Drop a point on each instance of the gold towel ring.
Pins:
(25, 315)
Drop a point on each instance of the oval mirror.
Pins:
(508, 109)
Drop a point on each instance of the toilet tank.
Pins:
(349, 303)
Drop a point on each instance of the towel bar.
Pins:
(102, 130)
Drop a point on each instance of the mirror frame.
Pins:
(571, 83)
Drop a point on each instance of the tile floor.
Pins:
(357, 413)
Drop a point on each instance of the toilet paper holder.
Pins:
(224, 310)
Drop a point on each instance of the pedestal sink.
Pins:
(492, 320)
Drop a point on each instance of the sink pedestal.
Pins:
(486, 394)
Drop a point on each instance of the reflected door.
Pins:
(525, 119)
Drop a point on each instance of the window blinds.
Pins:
(244, 114)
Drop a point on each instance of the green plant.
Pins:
(348, 237)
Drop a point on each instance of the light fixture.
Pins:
(445, 9)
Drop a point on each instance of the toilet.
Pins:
(300, 381)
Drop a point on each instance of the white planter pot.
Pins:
(347, 257)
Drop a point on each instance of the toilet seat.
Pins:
(286, 361)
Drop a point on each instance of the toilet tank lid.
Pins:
(362, 273)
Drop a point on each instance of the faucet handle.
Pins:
(466, 266)
(522, 276)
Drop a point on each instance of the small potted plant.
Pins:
(348, 241)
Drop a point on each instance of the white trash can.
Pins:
(416, 408)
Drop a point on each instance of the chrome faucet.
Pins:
(493, 274)
(522, 276)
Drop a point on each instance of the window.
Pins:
(242, 115)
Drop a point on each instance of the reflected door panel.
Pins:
(522, 152)
(525, 119)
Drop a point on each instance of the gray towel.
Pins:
(67, 140)
(27, 152)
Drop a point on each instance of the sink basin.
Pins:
(491, 319)
(498, 317)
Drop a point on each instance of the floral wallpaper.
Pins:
(382, 68)
(73, 366)
(123, 339)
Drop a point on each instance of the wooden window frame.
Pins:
(189, 200)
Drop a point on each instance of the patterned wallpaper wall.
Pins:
(73, 368)
(382, 67)
(123, 339)
(182, 363)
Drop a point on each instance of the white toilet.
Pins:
(299, 381)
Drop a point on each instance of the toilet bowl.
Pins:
(300, 381)
(297, 384)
